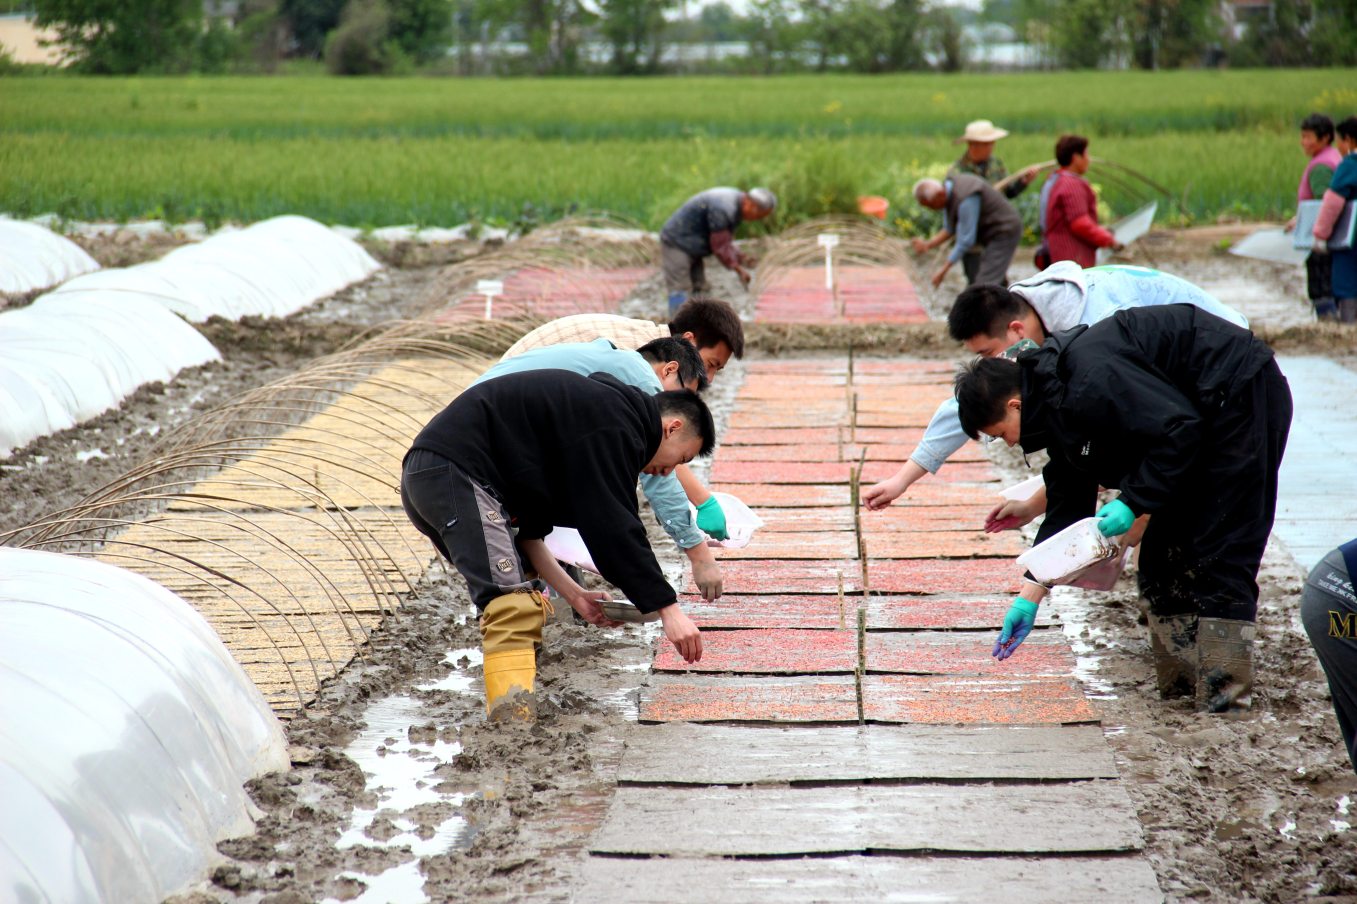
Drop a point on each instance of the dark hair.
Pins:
(688, 405)
(667, 348)
(1348, 128)
(1318, 123)
(711, 322)
(1067, 146)
(983, 387)
(984, 309)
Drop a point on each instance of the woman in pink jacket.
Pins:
(1341, 191)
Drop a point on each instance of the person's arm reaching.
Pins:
(1087, 228)
(1014, 513)
(669, 499)
(723, 246)
(940, 442)
(585, 602)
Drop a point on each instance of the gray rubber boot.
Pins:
(1225, 669)
(1173, 643)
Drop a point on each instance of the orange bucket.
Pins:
(873, 206)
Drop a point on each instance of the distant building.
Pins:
(22, 40)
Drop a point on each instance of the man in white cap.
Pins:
(979, 160)
(705, 225)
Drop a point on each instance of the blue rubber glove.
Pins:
(711, 519)
(1115, 518)
(1017, 625)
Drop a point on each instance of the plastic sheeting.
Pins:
(32, 257)
(126, 734)
(64, 359)
(271, 269)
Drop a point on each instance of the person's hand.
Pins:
(919, 245)
(744, 276)
(1290, 225)
(1118, 246)
(707, 577)
(587, 604)
(1320, 247)
(1029, 174)
(1022, 615)
(1132, 536)
(879, 495)
(1010, 515)
(711, 519)
(938, 277)
(682, 633)
(1115, 518)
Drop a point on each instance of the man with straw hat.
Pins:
(979, 160)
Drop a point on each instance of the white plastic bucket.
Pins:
(1070, 554)
(1021, 492)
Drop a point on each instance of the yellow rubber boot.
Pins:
(511, 630)
(509, 676)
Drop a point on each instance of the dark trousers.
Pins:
(466, 523)
(1201, 555)
(1328, 609)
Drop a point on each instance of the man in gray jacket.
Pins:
(704, 226)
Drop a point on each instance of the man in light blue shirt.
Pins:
(666, 363)
(988, 319)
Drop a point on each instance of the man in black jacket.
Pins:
(479, 482)
(1187, 415)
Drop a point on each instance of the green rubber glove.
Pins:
(711, 519)
(1022, 615)
(1115, 518)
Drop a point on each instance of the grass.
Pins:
(441, 151)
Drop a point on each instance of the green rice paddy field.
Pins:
(373, 152)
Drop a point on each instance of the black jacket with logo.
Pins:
(561, 449)
(1128, 403)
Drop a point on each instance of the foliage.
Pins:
(310, 21)
(377, 152)
(125, 36)
(422, 28)
(634, 29)
(363, 43)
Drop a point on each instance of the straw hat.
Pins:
(981, 130)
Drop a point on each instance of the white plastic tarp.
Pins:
(1129, 228)
(67, 358)
(32, 257)
(126, 734)
(1275, 245)
(271, 269)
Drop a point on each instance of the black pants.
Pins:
(1328, 609)
(1319, 277)
(1201, 555)
(467, 524)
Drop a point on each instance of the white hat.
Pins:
(981, 130)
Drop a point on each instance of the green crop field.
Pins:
(441, 151)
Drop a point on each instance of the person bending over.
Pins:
(660, 364)
(482, 486)
(1187, 416)
(988, 319)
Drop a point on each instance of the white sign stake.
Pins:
(829, 241)
(489, 288)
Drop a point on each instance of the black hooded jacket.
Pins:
(561, 449)
(1128, 404)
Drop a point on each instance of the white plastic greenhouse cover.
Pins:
(126, 733)
(273, 268)
(65, 359)
(32, 257)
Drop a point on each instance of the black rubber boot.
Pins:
(1225, 665)
(1173, 642)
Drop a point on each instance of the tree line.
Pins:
(632, 37)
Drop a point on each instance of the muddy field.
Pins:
(1234, 810)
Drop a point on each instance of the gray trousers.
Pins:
(995, 256)
(1328, 609)
(682, 271)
